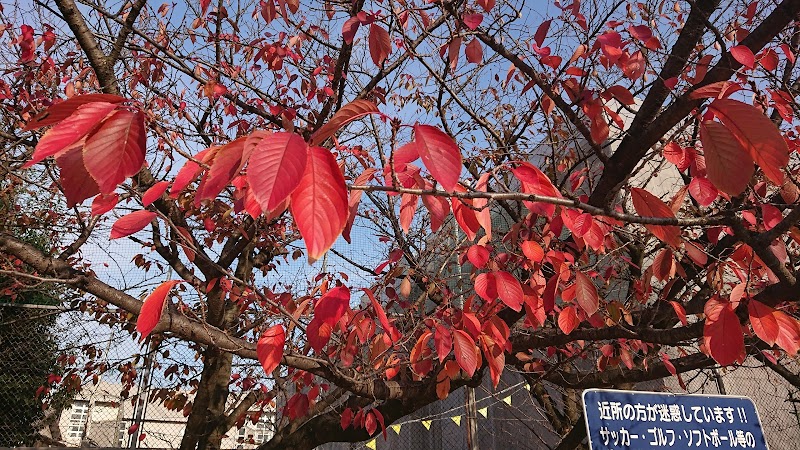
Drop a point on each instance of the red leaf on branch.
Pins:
(276, 168)
(440, 154)
(478, 255)
(648, 205)
(380, 44)
(154, 193)
(764, 322)
(131, 223)
(60, 111)
(188, 173)
(568, 319)
(703, 191)
(420, 357)
(508, 289)
(116, 150)
(789, 334)
(391, 330)
(75, 180)
(532, 251)
(443, 341)
(586, 294)
(224, 167)
(472, 21)
(756, 133)
(270, 348)
(728, 164)
(319, 204)
(467, 353)
(152, 308)
(722, 334)
(744, 55)
(541, 32)
(348, 113)
(474, 51)
(70, 130)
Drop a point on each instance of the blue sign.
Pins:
(631, 420)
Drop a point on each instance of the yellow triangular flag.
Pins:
(371, 444)
(484, 411)
(457, 420)
(427, 424)
(507, 400)
(396, 428)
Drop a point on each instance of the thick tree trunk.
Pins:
(208, 409)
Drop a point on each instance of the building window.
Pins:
(264, 429)
(77, 420)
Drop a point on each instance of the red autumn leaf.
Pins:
(789, 333)
(586, 294)
(623, 95)
(541, 32)
(348, 113)
(485, 287)
(466, 217)
(421, 363)
(648, 205)
(467, 354)
(744, 55)
(276, 168)
(568, 319)
(680, 312)
(188, 173)
(70, 130)
(532, 251)
(443, 341)
(440, 154)
(152, 308)
(60, 111)
(75, 180)
(347, 418)
(154, 193)
(391, 330)
(349, 29)
(370, 424)
(756, 133)
(722, 334)
(534, 181)
(270, 348)
(508, 289)
(104, 203)
(664, 265)
(487, 5)
(728, 164)
(332, 305)
(115, 151)
(764, 322)
(472, 21)
(478, 255)
(319, 204)
(439, 208)
(474, 51)
(408, 207)
(380, 44)
(677, 155)
(703, 191)
(131, 223)
(224, 167)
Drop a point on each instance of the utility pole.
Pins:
(472, 418)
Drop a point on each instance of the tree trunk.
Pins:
(208, 409)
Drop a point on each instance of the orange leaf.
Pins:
(722, 333)
(152, 308)
(763, 320)
(568, 319)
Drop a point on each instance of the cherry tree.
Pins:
(594, 193)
